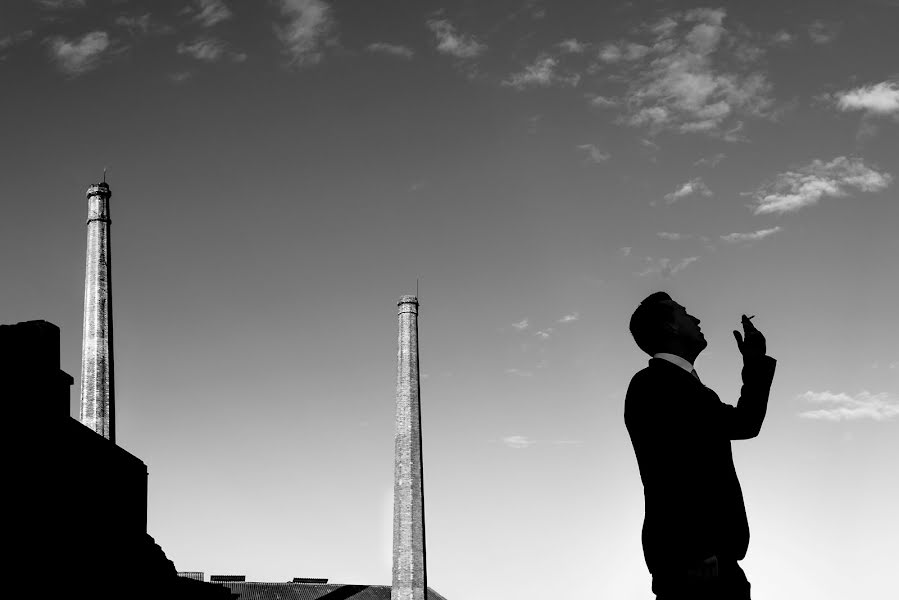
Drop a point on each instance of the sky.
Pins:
(282, 171)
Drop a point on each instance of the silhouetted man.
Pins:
(695, 528)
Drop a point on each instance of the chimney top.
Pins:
(99, 189)
(408, 299)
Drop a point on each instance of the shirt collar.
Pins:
(683, 363)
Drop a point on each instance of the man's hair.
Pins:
(648, 322)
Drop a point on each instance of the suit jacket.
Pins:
(681, 433)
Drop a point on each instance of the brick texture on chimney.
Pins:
(97, 373)
(409, 569)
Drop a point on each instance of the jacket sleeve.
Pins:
(744, 421)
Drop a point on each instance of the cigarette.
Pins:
(751, 318)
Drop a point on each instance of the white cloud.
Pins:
(541, 73)
(697, 81)
(570, 318)
(518, 441)
(449, 41)
(693, 187)
(204, 49)
(782, 38)
(710, 161)
(392, 49)
(822, 32)
(613, 53)
(878, 99)
(180, 76)
(572, 46)
(309, 23)
(863, 405)
(143, 24)
(544, 334)
(793, 190)
(673, 236)
(625, 250)
(666, 267)
(78, 56)
(603, 101)
(210, 12)
(54, 4)
(749, 237)
(518, 372)
(521, 325)
(594, 154)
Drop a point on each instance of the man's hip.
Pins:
(712, 579)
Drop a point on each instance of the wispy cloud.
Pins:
(78, 56)
(594, 154)
(541, 73)
(308, 25)
(793, 190)
(666, 235)
(695, 76)
(544, 334)
(572, 46)
(521, 325)
(840, 407)
(209, 50)
(211, 12)
(878, 99)
(143, 24)
(391, 49)
(823, 32)
(695, 186)
(15, 38)
(734, 238)
(666, 267)
(570, 318)
(603, 101)
(518, 442)
(519, 372)
(55, 4)
(617, 52)
(625, 250)
(453, 43)
(710, 161)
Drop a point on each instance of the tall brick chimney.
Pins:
(97, 381)
(410, 581)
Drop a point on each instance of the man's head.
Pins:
(662, 325)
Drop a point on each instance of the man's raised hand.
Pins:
(754, 343)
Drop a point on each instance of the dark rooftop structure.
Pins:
(293, 590)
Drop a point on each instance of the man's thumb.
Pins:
(739, 339)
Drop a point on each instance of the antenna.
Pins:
(104, 174)
(416, 290)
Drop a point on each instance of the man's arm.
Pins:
(744, 421)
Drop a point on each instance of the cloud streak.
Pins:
(843, 407)
(391, 49)
(735, 238)
(211, 12)
(806, 186)
(594, 154)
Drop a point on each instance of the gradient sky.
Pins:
(283, 170)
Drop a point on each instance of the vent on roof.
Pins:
(309, 580)
(227, 578)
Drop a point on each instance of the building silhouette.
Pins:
(73, 531)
